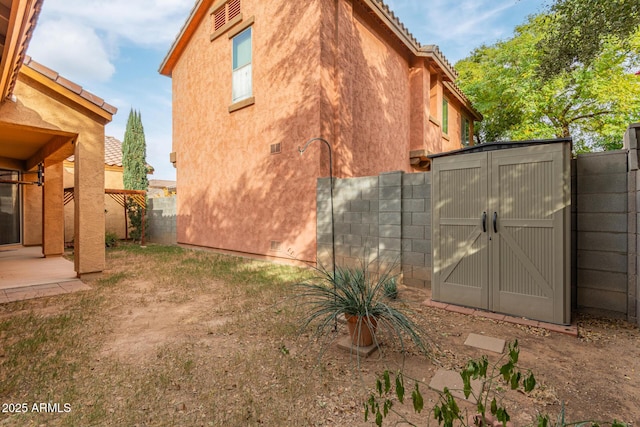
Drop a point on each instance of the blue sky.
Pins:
(114, 48)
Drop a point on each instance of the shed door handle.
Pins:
(484, 222)
(495, 222)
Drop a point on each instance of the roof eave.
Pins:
(22, 21)
(434, 53)
(198, 11)
(457, 92)
(74, 93)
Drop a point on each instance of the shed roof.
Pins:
(501, 145)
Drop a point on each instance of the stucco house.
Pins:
(45, 118)
(253, 80)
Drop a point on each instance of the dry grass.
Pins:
(170, 337)
(178, 337)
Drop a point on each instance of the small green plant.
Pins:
(490, 397)
(110, 239)
(391, 288)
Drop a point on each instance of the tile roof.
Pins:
(68, 84)
(162, 183)
(112, 152)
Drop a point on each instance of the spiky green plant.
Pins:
(358, 292)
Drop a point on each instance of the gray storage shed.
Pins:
(501, 228)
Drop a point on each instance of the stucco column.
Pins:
(89, 219)
(53, 211)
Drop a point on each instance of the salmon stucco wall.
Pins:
(233, 193)
(331, 70)
(372, 96)
(383, 102)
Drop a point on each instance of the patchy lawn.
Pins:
(178, 337)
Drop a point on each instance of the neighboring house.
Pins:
(113, 180)
(161, 188)
(253, 80)
(45, 118)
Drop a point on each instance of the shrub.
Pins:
(110, 239)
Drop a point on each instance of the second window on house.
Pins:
(464, 132)
(242, 88)
(445, 116)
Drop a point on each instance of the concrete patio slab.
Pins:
(484, 342)
(26, 274)
(453, 381)
(26, 266)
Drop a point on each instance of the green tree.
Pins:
(134, 163)
(579, 31)
(591, 103)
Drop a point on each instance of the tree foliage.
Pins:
(580, 29)
(134, 163)
(134, 154)
(591, 103)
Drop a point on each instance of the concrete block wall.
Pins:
(601, 232)
(385, 218)
(416, 229)
(161, 220)
(632, 144)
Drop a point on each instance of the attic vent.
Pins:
(234, 9)
(219, 18)
(276, 148)
(225, 13)
(275, 245)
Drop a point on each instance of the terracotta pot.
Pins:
(367, 326)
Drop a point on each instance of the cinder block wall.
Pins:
(378, 218)
(416, 229)
(161, 220)
(602, 206)
(632, 144)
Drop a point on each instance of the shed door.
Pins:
(517, 263)
(527, 251)
(460, 254)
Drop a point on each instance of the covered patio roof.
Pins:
(44, 119)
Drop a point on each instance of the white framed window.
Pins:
(242, 56)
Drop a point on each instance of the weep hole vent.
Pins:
(276, 148)
(275, 245)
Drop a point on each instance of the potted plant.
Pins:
(362, 297)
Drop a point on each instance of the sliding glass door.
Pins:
(9, 208)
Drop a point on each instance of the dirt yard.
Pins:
(176, 337)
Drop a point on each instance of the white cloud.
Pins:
(142, 22)
(81, 39)
(74, 48)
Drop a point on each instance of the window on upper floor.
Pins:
(242, 81)
(464, 132)
(445, 116)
